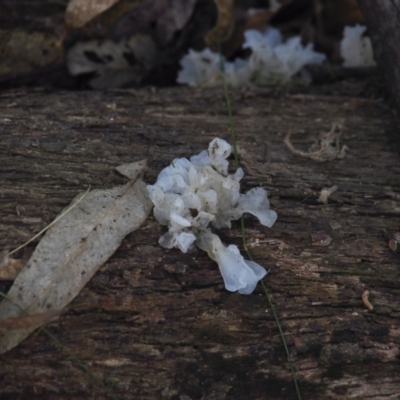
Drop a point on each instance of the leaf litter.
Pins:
(73, 249)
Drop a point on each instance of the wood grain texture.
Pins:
(158, 324)
(383, 20)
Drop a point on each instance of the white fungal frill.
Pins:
(238, 274)
(189, 195)
(355, 48)
(273, 59)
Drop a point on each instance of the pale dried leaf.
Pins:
(109, 20)
(72, 251)
(132, 170)
(80, 12)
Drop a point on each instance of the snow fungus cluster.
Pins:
(191, 196)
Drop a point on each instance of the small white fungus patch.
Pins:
(271, 60)
(356, 49)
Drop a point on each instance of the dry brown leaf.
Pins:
(222, 31)
(9, 267)
(73, 250)
(28, 321)
(22, 51)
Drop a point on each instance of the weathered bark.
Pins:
(383, 20)
(158, 324)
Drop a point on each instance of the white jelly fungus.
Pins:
(271, 60)
(238, 274)
(355, 48)
(190, 195)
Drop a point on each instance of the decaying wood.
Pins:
(158, 324)
(383, 19)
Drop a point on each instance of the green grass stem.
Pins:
(243, 232)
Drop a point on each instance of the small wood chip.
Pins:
(335, 225)
(9, 267)
(320, 239)
(394, 241)
(283, 246)
(365, 300)
(325, 193)
(393, 244)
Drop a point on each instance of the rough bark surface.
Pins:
(158, 324)
(383, 19)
